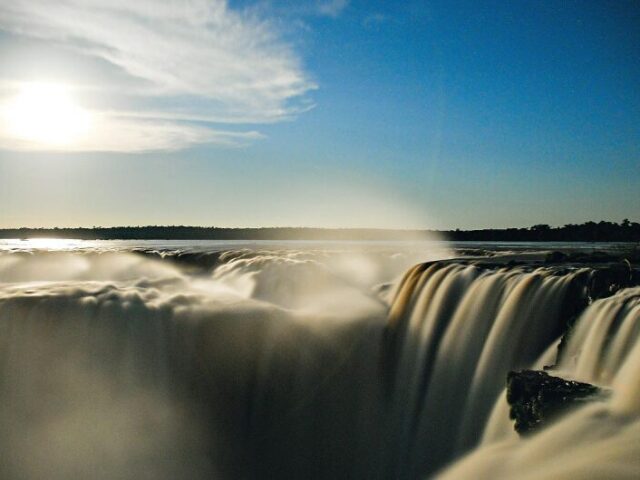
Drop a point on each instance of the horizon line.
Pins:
(399, 229)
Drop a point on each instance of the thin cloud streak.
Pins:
(127, 135)
(207, 62)
(332, 8)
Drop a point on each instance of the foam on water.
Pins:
(601, 440)
(299, 363)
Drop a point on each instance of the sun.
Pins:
(46, 114)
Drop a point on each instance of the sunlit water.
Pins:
(214, 245)
(298, 360)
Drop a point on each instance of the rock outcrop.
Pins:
(536, 397)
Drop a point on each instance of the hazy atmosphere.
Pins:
(328, 113)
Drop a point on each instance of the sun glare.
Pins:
(46, 113)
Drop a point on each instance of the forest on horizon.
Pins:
(603, 231)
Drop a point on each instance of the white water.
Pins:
(286, 363)
(115, 365)
(600, 440)
(461, 329)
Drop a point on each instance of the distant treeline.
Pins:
(625, 231)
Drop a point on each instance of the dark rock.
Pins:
(555, 257)
(536, 397)
(606, 281)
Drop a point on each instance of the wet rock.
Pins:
(555, 257)
(607, 281)
(536, 397)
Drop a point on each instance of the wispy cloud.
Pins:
(121, 134)
(186, 61)
(332, 8)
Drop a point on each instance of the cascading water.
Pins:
(127, 366)
(281, 364)
(602, 338)
(599, 440)
(455, 332)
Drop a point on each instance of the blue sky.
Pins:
(327, 113)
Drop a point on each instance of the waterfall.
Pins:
(129, 367)
(599, 440)
(290, 364)
(601, 339)
(455, 331)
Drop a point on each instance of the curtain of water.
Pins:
(456, 331)
(599, 440)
